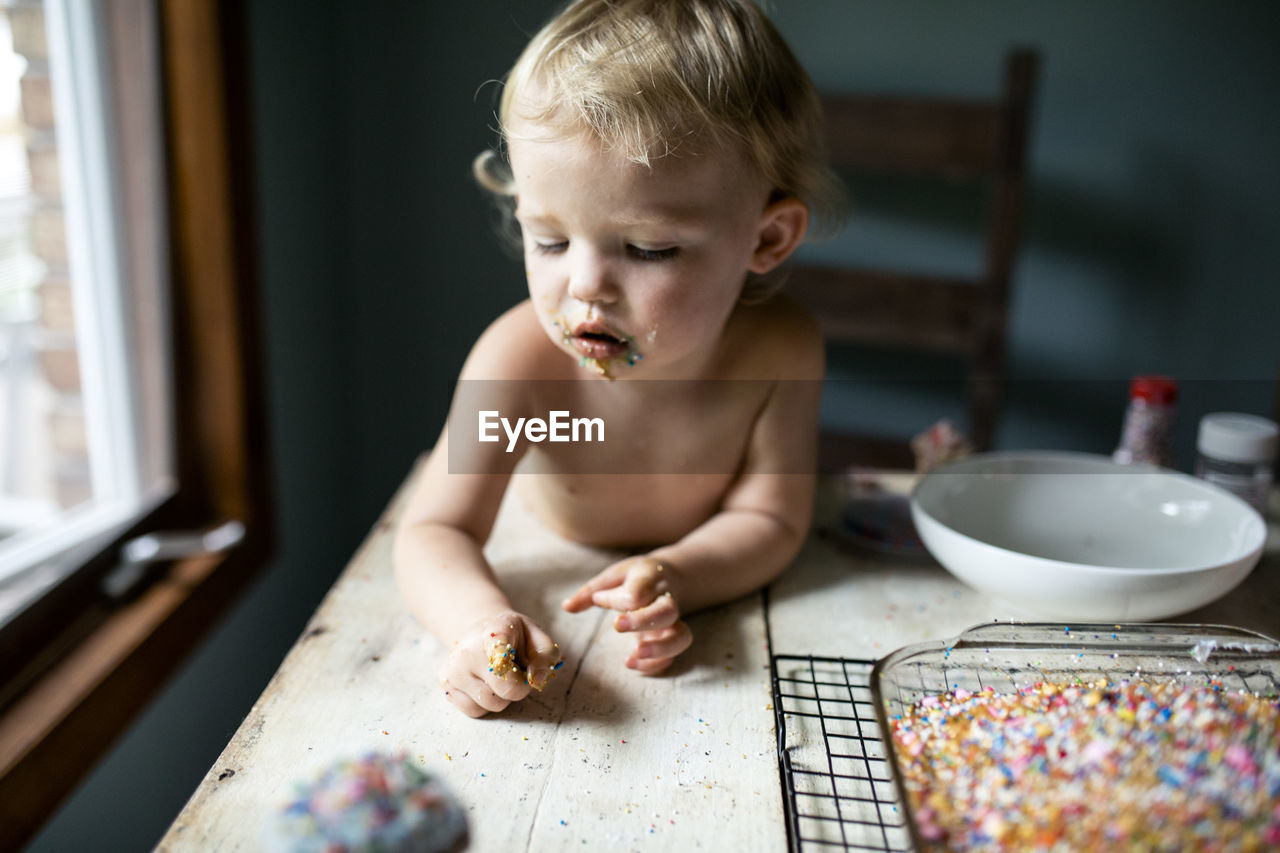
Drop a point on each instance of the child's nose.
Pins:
(590, 279)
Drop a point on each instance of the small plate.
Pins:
(875, 514)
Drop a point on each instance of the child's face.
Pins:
(633, 270)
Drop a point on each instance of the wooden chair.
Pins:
(981, 142)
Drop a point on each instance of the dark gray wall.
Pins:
(1152, 244)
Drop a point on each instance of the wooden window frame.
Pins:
(67, 694)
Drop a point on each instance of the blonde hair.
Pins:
(652, 77)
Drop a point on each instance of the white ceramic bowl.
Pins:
(1074, 536)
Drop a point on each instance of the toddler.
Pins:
(662, 158)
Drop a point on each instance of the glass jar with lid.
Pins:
(1237, 452)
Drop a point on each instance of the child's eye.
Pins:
(550, 248)
(653, 254)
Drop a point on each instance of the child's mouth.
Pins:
(594, 342)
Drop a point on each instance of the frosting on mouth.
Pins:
(601, 348)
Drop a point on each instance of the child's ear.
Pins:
(782, 226)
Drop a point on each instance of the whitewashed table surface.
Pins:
(604, 758)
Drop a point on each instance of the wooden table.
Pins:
(604, 758)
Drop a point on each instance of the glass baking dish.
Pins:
(1008, 656)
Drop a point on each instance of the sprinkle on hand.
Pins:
(502, 659)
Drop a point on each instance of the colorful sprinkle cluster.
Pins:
(502, 659)
(502, 662)
(377, 802)
(1094, 766)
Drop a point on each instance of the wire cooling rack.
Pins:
(835, 777)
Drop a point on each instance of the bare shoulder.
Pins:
(778, 338)
(514, 346)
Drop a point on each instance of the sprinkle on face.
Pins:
(602, 367)
(599, 365)
(566, 336)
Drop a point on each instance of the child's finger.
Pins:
(581, 598)
(544, 656)
(665, 643)
(512, 688)
(462, 685)
(464, 703)
(477, 691)
(638, 589)
(649, 666)
(504, 675)
(660, 613)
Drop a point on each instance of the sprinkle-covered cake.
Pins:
(377, 802)
(1094, 766)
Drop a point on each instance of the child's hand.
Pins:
(499, 660)
(641, 589)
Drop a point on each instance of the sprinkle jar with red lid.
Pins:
(1146, 437)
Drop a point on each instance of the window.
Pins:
(82, 348)
(156, 293)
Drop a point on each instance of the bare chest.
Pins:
(622, 511)
(660, 468)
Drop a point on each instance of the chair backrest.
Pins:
(962, 140)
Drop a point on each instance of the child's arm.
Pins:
(440, 567)
(761, 524)
(451, 589)
(442, 572)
